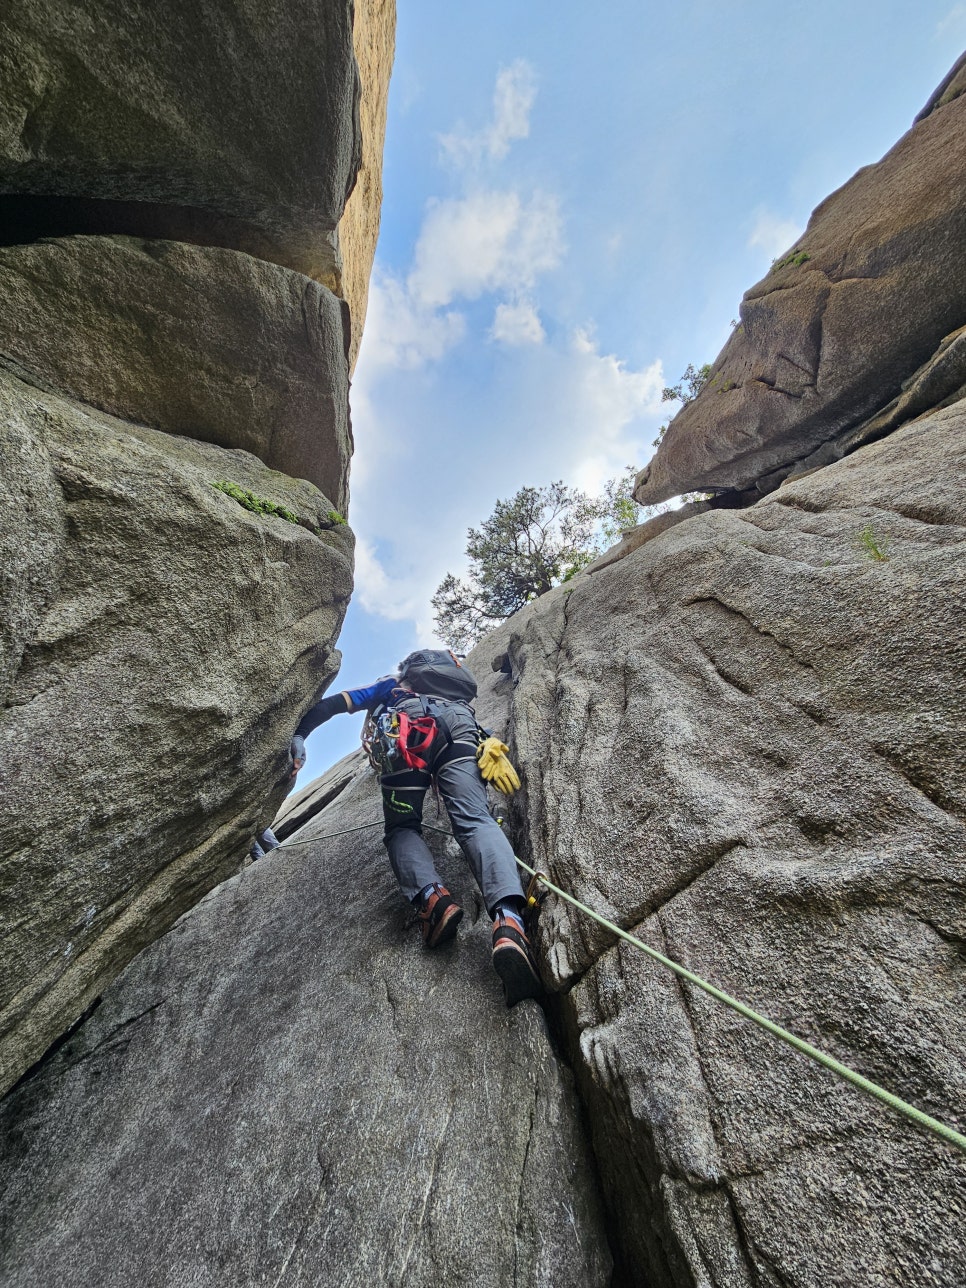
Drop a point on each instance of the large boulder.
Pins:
(208, 343)
(230, 125)
(745, 742)
(830, 335)
(158, 642)
(288, 1088)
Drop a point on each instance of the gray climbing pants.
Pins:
(480, 836)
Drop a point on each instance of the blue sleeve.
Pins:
(373, 694)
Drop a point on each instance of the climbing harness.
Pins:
(416, 738)
(539, 878)
(394, 741)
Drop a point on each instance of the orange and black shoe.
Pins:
(514, 962)
(439, 917)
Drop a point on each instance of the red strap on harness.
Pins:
(416, 737)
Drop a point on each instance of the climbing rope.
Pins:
(806, 1048)
(290, 845)
(829, 1062)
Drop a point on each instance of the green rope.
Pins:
(827, 1061)
(806, 1048)
(290, 845)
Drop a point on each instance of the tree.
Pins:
(534, 541)
(689, 386)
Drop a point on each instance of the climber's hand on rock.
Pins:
(297, 753)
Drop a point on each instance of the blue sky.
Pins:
(575, 201)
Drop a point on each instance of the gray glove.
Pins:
(297, 753)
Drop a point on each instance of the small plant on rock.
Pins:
(875, 547)
(257, 504)
(793, 260)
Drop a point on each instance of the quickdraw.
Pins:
(536, 890)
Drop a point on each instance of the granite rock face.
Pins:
(744, 741)
(158, 641)
(373, 38)
(231, 125)
(829, 337)
(206, 343)
(288, 1088)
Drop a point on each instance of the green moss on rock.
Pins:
(257, 504)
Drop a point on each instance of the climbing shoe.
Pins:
(439, 917)
(514, 962)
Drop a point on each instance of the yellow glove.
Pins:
(495, 767)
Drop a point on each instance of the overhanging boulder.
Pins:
(861, 301)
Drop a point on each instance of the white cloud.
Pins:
(487, 241)
(372, 584)
(513, 98)
(402, 330)
(607, 404)
(565, 410)
(483, 240)
(397, 598)
(517, 324)
(774, 234)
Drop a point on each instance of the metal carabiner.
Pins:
(534, 897)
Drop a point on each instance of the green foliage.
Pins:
(875, 547)
(336, 518)
(616, 512)
(538, 539)
(793, 260)
(689, 386)
(528, 545)
(257, 504)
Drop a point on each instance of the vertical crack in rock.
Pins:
(311, 1217)
(430, 1187)
(762, 1268)
(517, 1223)
(721, 1180)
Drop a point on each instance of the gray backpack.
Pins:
(436, 673)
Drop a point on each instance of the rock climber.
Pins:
(421, 727)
